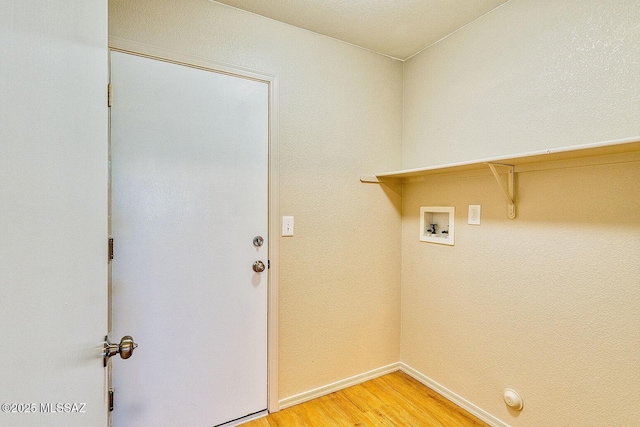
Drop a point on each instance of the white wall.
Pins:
(531, 75)
(340, 116)
(547, 303)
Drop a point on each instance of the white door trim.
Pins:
(140, 49)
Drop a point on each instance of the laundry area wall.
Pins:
(546, 303)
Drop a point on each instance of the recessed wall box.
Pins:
(436, 224)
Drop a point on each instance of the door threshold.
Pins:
(246, 419)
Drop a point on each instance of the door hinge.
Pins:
(109, 94)
(110, 399)
(110, 248)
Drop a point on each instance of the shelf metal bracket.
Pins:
(509, 191)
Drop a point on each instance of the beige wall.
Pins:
(531, 75)
(340, 116)
(548, 303)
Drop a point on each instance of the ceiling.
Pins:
(397, 28)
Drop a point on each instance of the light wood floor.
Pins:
(392, 400)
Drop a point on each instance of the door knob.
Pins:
(125, 348)
(258, 266)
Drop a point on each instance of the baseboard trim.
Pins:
(453, 397)
(338, 385)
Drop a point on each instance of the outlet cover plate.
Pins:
(474, 215)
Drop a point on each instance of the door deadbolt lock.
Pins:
(125, 348)
(258, 266)
(258, 241)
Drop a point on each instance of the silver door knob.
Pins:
(125, 348)
(258, 266)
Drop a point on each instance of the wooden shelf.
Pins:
(617, 151)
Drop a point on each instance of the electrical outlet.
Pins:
(474, 215)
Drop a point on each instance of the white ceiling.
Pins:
(397, 28)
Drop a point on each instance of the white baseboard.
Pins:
(453, 397)
(338, 385)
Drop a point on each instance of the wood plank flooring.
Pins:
(393, 400)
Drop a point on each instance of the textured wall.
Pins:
(340, 116)
(548, 303)
(531, 75)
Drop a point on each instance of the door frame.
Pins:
(152, 52)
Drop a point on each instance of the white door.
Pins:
(189, 162)
(53, 205)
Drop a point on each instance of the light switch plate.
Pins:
(287, 226)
